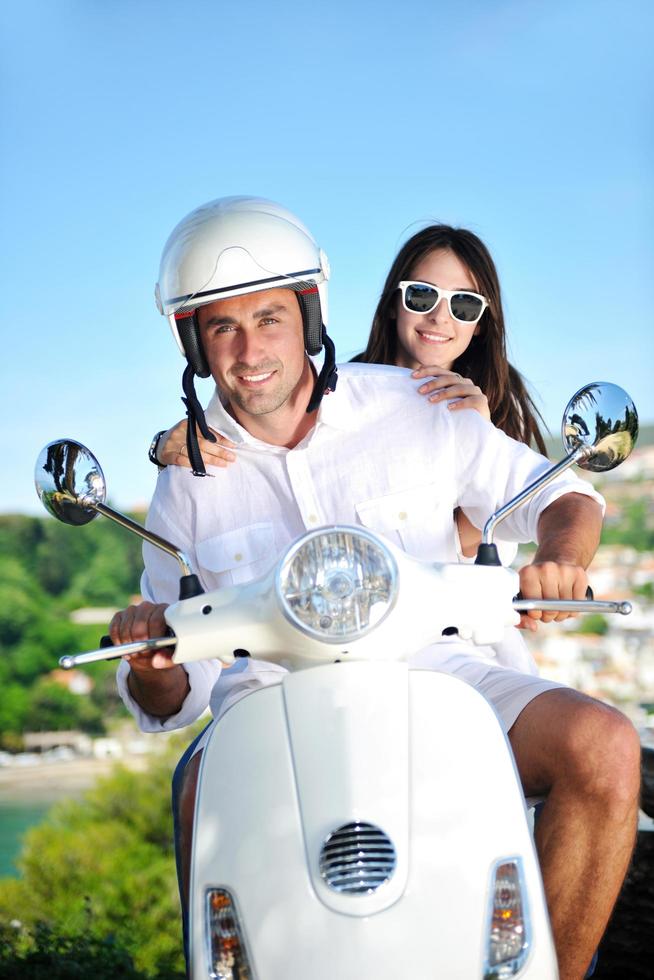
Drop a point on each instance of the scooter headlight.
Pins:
(338, 583)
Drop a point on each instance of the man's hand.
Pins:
(550, 580)
(157, 684)
(142, 622)
(568, 535)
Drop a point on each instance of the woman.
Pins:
(455, 333)
(473, 346)
(439, 314)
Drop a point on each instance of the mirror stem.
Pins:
(542, 481)
(153, 539)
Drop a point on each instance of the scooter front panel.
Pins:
(349, 731)
(258, 827)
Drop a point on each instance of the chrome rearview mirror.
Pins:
(599, 430)
(71, 485)
(601, 421)
(69, 482)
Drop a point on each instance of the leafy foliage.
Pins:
(593, 623)
(56, 957)
(49, 569)
(635, 526)
(54, 708)
(646, 590)
(98, 886)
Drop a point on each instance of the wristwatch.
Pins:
(152, 451)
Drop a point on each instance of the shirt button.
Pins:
(402, 515)
(313, 519)
(238, 556)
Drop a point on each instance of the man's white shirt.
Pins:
(379, 455)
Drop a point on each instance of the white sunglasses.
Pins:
(424, 297)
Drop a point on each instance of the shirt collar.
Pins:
(219, 419)
(334, 411)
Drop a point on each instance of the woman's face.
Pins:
(435, 338)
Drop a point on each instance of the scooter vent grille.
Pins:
(357, 858)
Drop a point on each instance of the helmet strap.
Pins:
(195, 415)
(326, 380)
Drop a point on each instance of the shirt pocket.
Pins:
(237, 556)
(419, 520)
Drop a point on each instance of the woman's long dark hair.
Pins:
(484, 361)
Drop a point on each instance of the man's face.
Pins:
(255, 348)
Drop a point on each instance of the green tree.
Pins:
(60, 553)
(53, 707)
(635, 528)
(52, 956)
(98, 868)
(111, 573)
(104, 693)
(594, 623)
(14, 708)
(44, 641)
(48, 569)
(22, 601)
(646, 590)
(19, 537)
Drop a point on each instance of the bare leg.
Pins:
(186, 812)
(586, 757)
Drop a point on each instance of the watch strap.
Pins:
(154, 445)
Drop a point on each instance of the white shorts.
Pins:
(509, 691)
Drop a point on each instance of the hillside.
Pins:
(47, 571)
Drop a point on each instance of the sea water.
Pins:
(15, 818)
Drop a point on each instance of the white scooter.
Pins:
(359, 820)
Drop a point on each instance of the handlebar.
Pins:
(573, 605)
(108, 652)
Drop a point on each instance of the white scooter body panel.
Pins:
(290, 764)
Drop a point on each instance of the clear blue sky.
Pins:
(529, 122)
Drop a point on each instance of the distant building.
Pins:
(44, 741)
(75, 681)
(93, 616)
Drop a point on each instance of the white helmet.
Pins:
(233, 246)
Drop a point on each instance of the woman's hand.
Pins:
(172, 451)
(444, 385)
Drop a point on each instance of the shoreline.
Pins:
(56, 780)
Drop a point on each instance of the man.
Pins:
(244, 285)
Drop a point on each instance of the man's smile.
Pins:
(255, 380)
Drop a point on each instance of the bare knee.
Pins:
(566, 742)
(601, 754)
